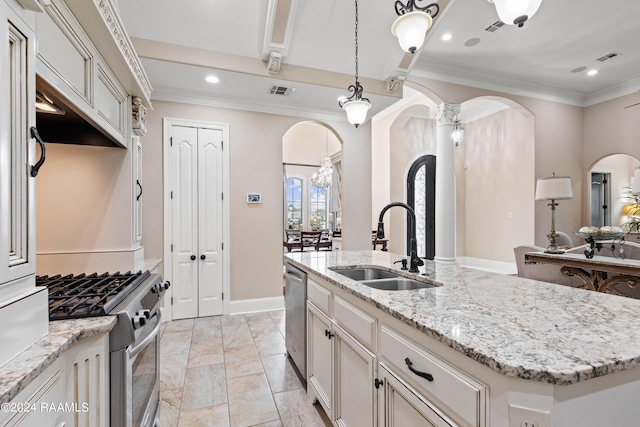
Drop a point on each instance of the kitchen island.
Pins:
(529, 351)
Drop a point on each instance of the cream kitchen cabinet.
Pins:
(17, 116)
(40, 403)
(341, 370)
(136, 146)
(365, 372)
(69, 61)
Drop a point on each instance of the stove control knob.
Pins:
(143, 313)
(165, 284)
(139, 321)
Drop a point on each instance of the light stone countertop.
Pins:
(19, 372)
(517, 327)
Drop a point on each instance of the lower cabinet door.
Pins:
(402, 406)
(319, 358)
(354, 391)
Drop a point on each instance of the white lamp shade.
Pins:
(554, 188)
(635, 189)
(356, 111)
(411, 29)
(509, 10)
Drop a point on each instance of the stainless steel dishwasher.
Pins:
(295, 303)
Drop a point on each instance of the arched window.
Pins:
(319, 207)
(294, 203)
(421, 195)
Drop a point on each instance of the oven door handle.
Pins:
(142, 344)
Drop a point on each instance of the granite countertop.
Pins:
(16, 374)
(517, 327)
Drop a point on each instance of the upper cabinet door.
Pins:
(17, 148)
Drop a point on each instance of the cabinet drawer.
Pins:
(319, 296)
(464, 396)
(355, 321)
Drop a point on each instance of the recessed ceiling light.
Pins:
(592, 72)
(447, 37)
(472, 42)
(579, 69)
(212, 79)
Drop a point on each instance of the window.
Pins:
(294, 203)
(421, 193)
(319, 207)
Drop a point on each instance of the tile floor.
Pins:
(231, 371)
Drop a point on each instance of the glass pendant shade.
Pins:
(356, 111)
(516, 12)
(411, 29)
(457, 135)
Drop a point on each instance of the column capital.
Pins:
(445, 113)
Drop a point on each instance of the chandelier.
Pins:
(411, 26)
(355, 106)
(323, 177)
(516, 12)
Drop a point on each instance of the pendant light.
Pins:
(355, 106)
(412, 24)
(516, 12)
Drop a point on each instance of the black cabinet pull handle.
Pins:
(424, 375)
(328, 333)
(43, 154)
(193, 257)
(139, 186)
(203, 257)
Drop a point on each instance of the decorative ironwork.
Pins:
(431, 9)
(357, 93)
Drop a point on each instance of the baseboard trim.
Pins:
(501, 267)
(254, 305)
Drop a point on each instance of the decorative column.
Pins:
(445, 114)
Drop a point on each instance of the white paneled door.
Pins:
(196, 198)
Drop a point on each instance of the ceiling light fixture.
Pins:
(412, 23)
(212, 79)
(355, 106)
(446, 37)
(516, 12)
(592, 72)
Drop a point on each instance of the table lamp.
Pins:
(553, 188)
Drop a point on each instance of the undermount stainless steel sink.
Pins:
(382, 279)
(396, 284)
(366, 273)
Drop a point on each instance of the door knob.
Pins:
(193, 257)
(203, 257)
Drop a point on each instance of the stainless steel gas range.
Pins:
(134, 342)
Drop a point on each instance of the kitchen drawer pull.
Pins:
(140, 186)
(424, 375)
(43, 154)
(328, 333)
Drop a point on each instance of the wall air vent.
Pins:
(495, 26)
(608, 56)
(281, 90)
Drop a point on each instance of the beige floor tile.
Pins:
(237, 336)
(240, 361)
(175, 343)
(172, 371)
(207, 328)
(270, 424)
(206, 352)
(297, 411)
(170, 401)
(270, 343)
(179, 325)
(250, 401)
(212, 416)
(280, 373)
(204, 386)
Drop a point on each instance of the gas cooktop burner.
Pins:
(88, 295)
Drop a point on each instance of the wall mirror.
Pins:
(610, 190)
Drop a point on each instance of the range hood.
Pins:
(63, 123)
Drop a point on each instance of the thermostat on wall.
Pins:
(254, 198)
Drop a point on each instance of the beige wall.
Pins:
(497, 181)
(255, 249)
(559, 137)
(306, 143)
